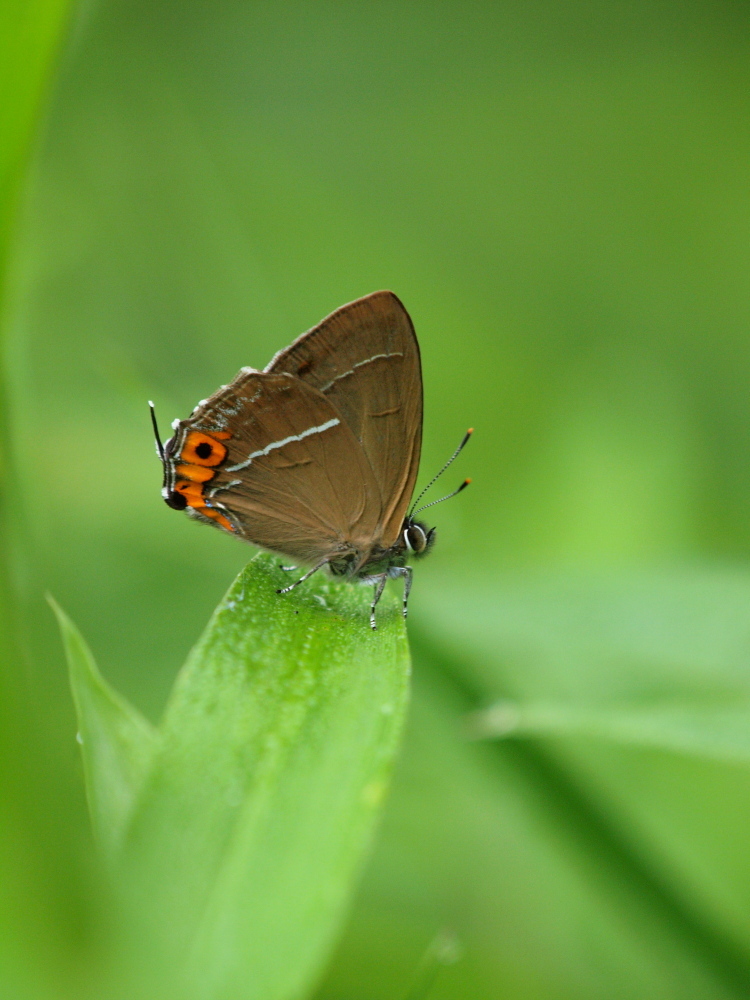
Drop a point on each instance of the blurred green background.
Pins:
(559, 194)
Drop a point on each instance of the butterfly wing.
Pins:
(364, 358)
(289, 474)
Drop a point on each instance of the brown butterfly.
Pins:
(316, 457)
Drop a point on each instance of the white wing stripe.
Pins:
(280, 444)
(225, 486)
(394, 354)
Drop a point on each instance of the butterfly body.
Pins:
(316, 457)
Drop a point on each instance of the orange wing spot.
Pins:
(216, 516)
(195, 473)
(193, 492)
(198, 459)
(202, 449)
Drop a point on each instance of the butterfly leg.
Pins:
(306, 576)
(406, 573)
(287, 569)
(379, 586)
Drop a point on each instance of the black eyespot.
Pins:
(175, 500)
(203, 450)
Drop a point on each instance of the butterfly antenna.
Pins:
(463, 486)
(159, 445)
(432, 482)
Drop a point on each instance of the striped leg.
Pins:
(376, 597)
(307, 575)
(406, 573)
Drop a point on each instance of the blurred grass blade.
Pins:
(444, 949)
(277, 746)
(716, 732)
(651, 662)
(30, 35)
(117, 743)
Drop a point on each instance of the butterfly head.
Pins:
(417, 537)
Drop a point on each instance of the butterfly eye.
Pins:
(416, 539)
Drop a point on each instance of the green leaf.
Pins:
(117, 743)
(716, 732)
(494, 841)
(31, 32)
(647, 674)
(33, 861)
(276, 749)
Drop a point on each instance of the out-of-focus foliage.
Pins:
(33, 912)
(558, 193)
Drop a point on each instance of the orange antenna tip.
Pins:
(470, 430)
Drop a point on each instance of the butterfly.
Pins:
(316, 457)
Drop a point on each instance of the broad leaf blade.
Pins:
(277, 745)
(117, 743)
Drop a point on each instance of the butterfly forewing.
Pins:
(364, 359)
(294, 480)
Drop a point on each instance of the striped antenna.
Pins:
(463, 486)
(432, 482)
